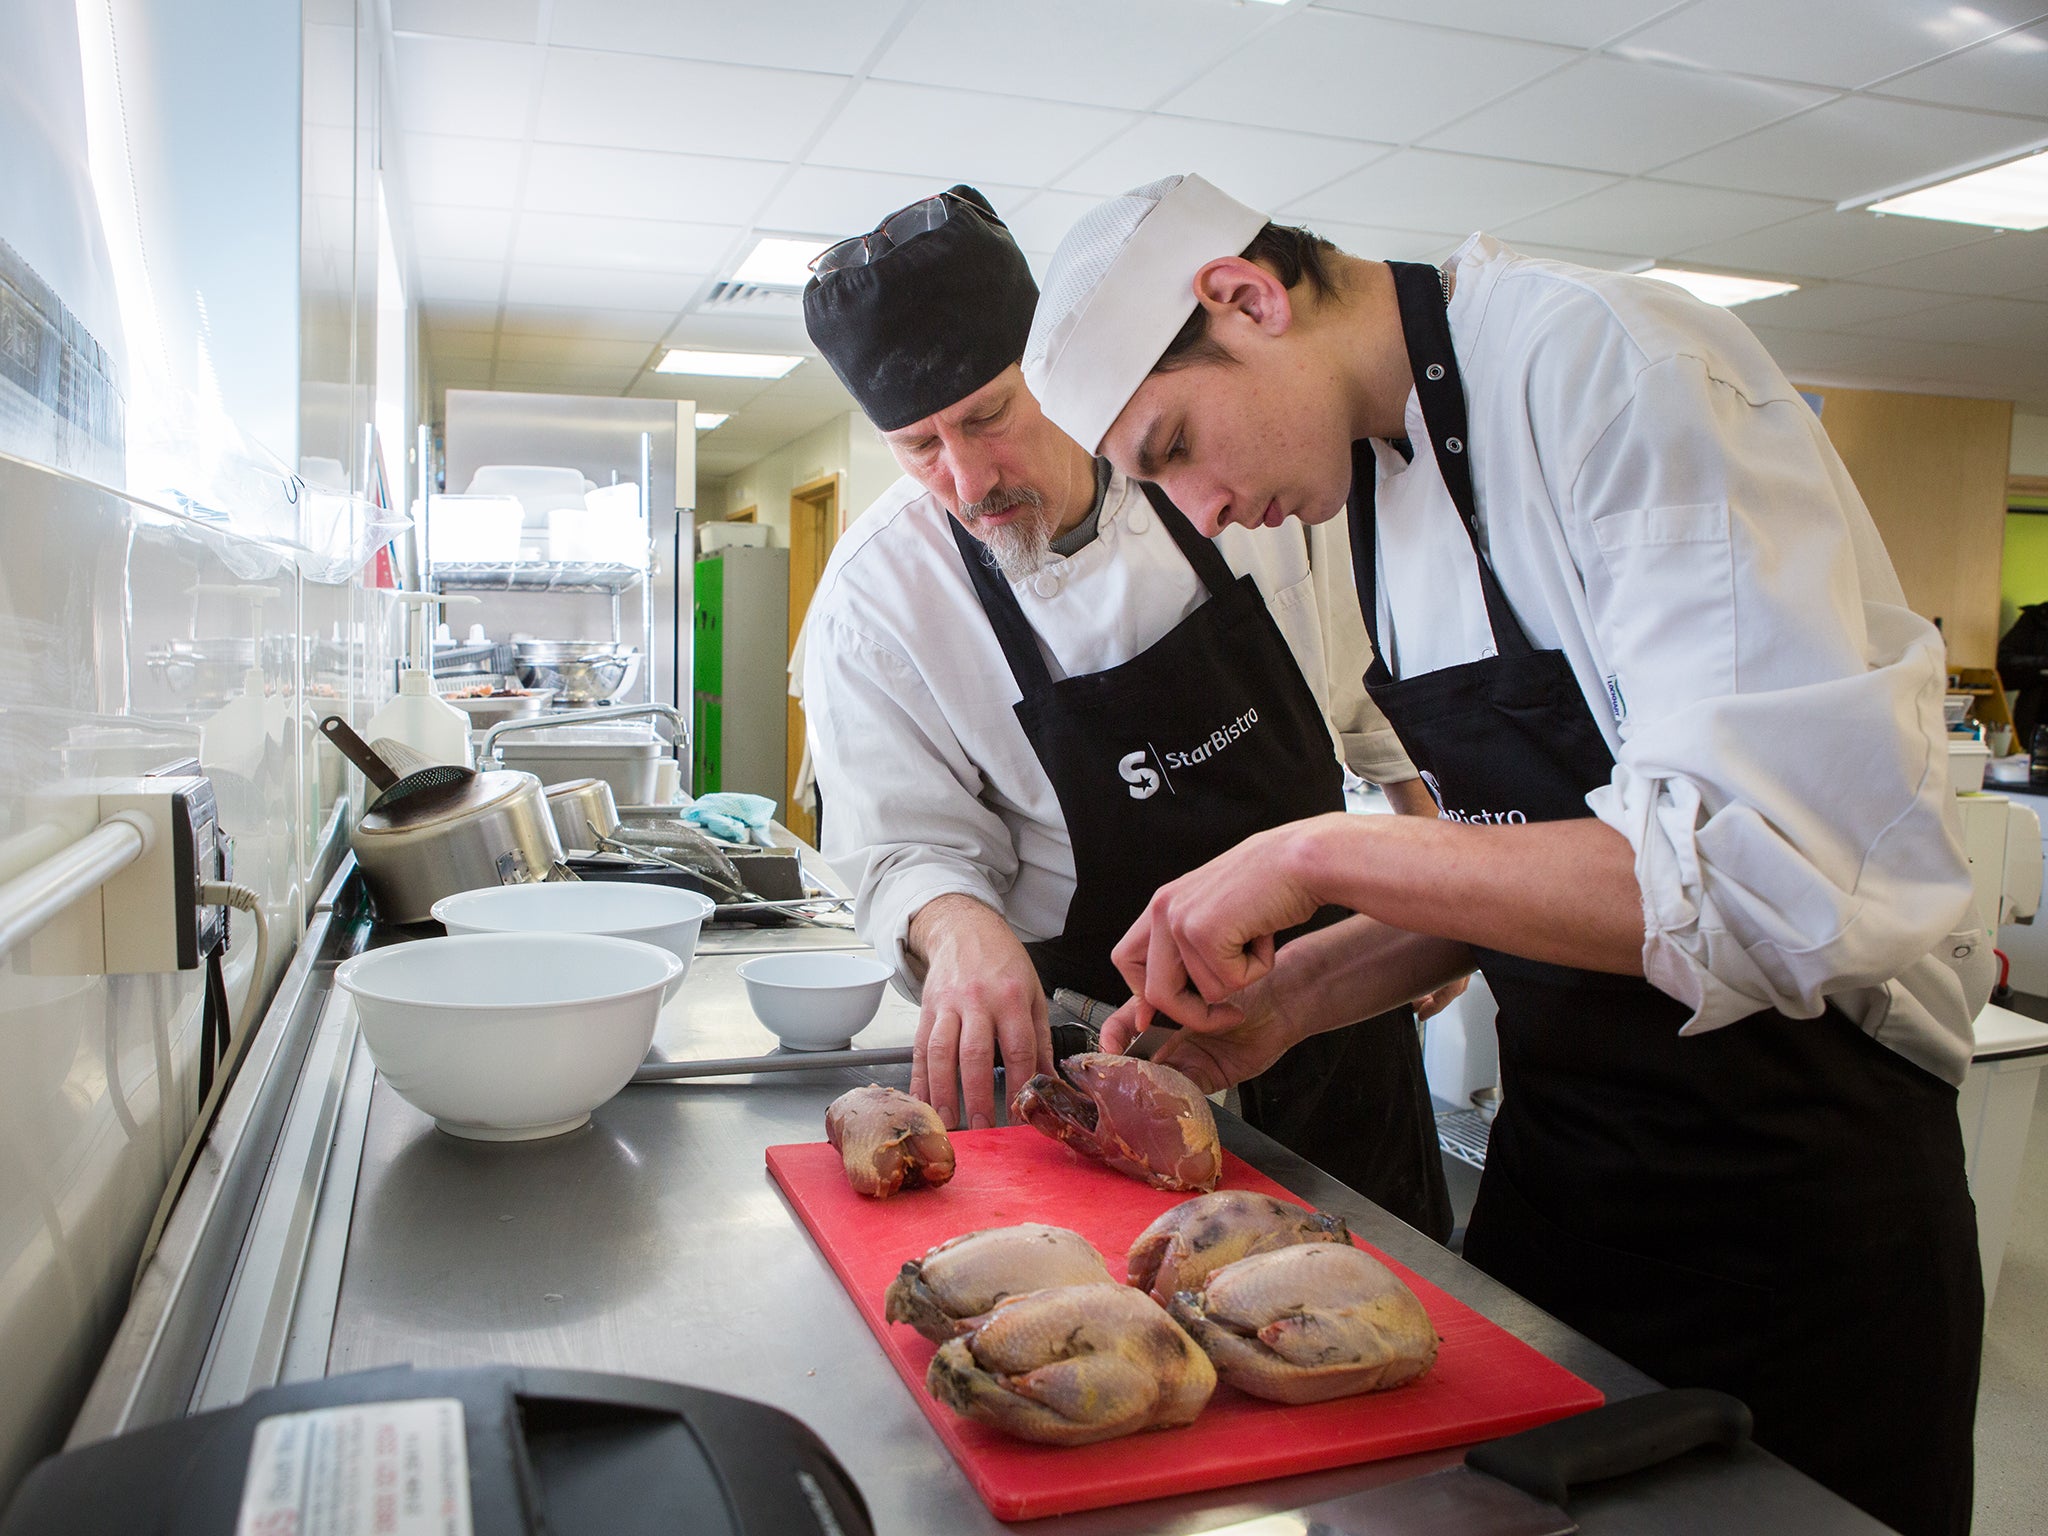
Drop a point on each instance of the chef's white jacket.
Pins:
(1661, 505)
(929, 785)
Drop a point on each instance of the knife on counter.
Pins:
(1517, 1486)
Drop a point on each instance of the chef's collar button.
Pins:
(1433, 372)
(1046, 583)
(1454, 445)
(1486, 651)
(1140, 520)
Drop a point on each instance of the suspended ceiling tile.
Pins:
(514, 21)
(1384, 244)
(1261, 166)
(537, 283)
(576, 352)
(646, 326)
(2004, 264)
(1614, 115)
(474, 281)
(1041, 223)
(1135, 51)
(462, 346)
(1798, 351)
(1358, 77)
(1579, 256)
(628, 102)
(700, 189)
(1972, 322)
(462, 172)
(568, 375)
(728, 395)
(2006, 74)
(594, 240)
(464, 86)
(1854, 147)
(1835, 306)
(440, 316)
(1579, 24)
(954, 135)
(1654, 216)
(1426, 189)
(461, 234)
(1831, 244)
(1828, 42)
(722, 331)
(834, 203)
(834, 36)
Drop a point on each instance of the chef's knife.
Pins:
(1094, 1014)
(1517, 1486)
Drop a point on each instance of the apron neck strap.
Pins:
(1006, 614)
(1201, 553)
(1439, 388)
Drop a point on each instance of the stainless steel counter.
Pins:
(653, 1242)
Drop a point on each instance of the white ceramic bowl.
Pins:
(509, 1036)
(653, 914)
(815, 1000)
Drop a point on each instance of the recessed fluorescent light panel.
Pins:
(778, 261)
(711, 421)
(1717, 288)
(2009, 196)
(727, 365)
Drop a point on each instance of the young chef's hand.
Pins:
(1209, 934)
(981, 996)
(1212, 1060)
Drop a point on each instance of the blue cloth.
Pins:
(729, 816)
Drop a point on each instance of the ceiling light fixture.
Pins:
(711, 421)
(780, 261)
(727, 365)
(2009, 196)
(1718, 287)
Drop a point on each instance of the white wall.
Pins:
(2029, 444)
(846, 445)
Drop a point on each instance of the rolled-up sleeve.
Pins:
(903, 821)
(1783, 773)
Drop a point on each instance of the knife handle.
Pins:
(1622, 1437)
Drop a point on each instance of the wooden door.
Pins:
(813, 528)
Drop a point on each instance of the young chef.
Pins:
(1035, 695)
(1639, 633)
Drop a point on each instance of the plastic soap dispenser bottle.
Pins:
(417, 716)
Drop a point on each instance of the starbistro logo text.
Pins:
(1136, 770)
(1447, 813)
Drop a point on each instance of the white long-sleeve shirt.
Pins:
(1661, 505)
(930, 787)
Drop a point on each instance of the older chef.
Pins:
(1641, 637)
(1035, 694)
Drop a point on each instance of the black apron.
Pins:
(1163, 763)
(1776, 1208)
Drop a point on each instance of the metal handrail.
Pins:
(32, 898)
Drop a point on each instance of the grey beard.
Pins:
(1020, 547)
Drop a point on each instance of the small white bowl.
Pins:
(654, 914)
(509, 1037)
(815, 1000)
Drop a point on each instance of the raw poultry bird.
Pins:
(888, 1141)
(1198, 1237)
(1309, 1323)
(1073, 1365)
(950, 1290)
(1139, 1117)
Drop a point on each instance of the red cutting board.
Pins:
(1486, 1382)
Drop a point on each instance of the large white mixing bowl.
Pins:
(509, 1036)
(653, 914)
(815, 1000)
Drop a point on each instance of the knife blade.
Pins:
(1517, 1486)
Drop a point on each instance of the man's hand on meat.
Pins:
(982, 1003)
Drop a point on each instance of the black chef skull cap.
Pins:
(928, 322)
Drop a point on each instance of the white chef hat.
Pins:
(1120, 287)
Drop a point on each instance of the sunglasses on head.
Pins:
(921, 217)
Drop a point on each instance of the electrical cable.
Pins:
(213, 893)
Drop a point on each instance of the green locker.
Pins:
(739, 713)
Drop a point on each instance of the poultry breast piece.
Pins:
(1309, 1323)
(1198, 1237)
(950, 1290)
(888, 1141)
(1140, 1118)
(1073, 1365)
